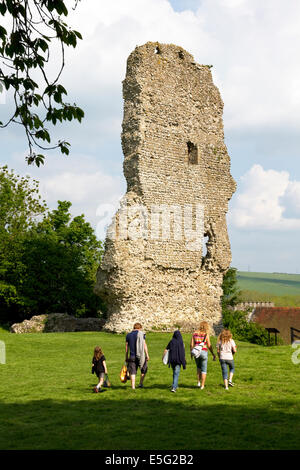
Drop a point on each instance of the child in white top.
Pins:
(226, 347)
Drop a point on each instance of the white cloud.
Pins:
(263, 199)
(113, 31)
(252, 45)
(79, 187)
(79, 179)
(232, 3)
(90, 194)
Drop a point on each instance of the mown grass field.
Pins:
(282, 289)
(46, 399)
(274, 284)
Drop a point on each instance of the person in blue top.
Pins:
(136, 354)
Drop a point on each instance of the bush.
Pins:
(241, 329)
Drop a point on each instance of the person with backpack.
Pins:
(226, 348)
(201, 337)
(176, 357)
(136, 354)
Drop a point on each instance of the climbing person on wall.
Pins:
(226, 348)
(202, 336)
(136, 354)
(176, 357)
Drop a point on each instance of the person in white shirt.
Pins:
(226, 348)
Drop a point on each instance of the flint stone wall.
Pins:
(56, 323)
(174, 154)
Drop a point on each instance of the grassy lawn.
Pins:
(46, 399)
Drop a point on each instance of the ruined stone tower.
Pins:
(155, 268)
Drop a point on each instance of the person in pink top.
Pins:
(202, 336)
(226, 348)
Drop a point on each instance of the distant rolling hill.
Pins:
(275, 284)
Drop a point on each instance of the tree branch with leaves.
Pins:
(25, 49)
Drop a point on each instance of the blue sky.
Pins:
(182, 5)
(254, 47)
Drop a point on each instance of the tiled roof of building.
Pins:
(282, 318)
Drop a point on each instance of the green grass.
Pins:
(46, 399)
(274, 284)
(282, 289)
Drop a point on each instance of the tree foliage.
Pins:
(48, 260)
(35, 26)
(236, 320)
(20, 205)
(231, 292)
(244, 330)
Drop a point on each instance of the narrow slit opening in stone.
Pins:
(192, 153)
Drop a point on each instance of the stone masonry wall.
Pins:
(175, 158)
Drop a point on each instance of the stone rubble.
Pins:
(56, 323)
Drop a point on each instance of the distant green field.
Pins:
(273, 284)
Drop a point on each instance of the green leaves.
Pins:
(3, 33)
(66, 35)
(26, 48)
(66, 113)
(48, 260)
(43, 134)
(235, 320)
(39, 159)
(29, 84)
(231, 292)
(42, 44)
(242, 329)
(57, 5)
(2, 8)
(64, 147)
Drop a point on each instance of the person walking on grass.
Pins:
(99, 368)
(226, 348)
(202, 336)
(136, 354)
(176, 357)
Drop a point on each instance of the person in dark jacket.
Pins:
(99, 368)
(176, 357)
